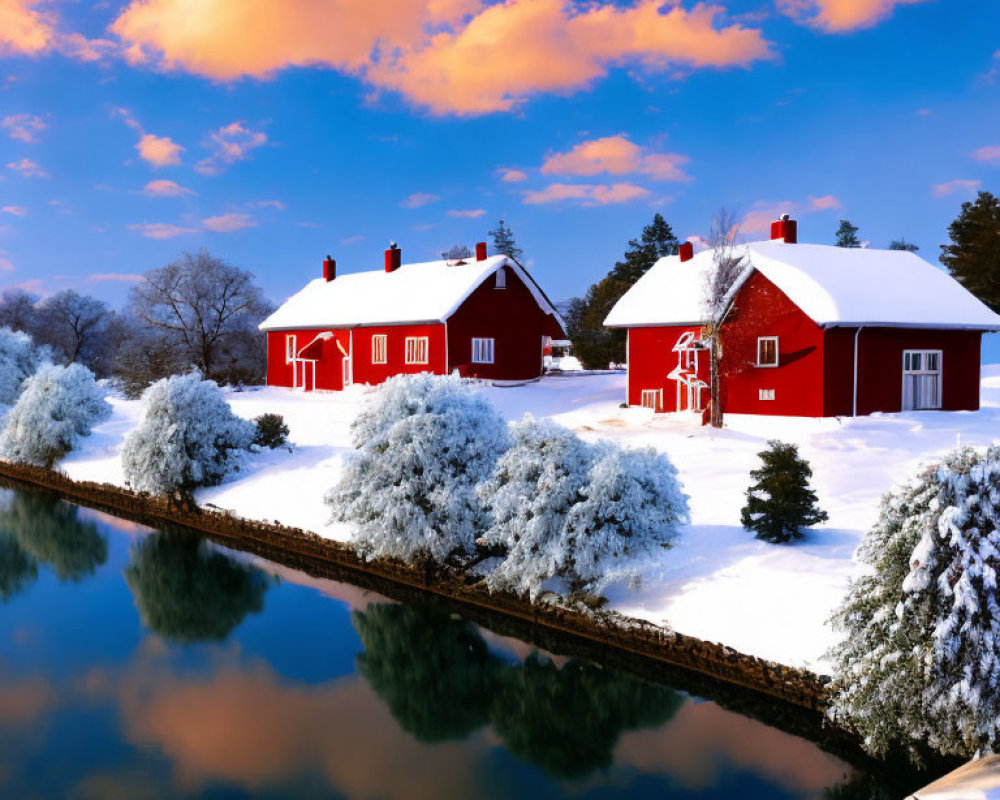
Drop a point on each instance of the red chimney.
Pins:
(480, 251)
(393, 258)
(785, 229)
(686, 251)
(329, 269)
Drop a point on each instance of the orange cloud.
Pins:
(616, 155)
(955, 187)
(231, 143)
(23, 127)
(586, 194)
(989, 153)
(467, 213)
(24, 30)
(449, 56)
(760, 216)
(163, 188)
(160, 230)
(158, 151)
(839, 16)
(228, 223)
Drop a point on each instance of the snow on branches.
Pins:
(563, 507)
(920, 663)
(56, 408)
(189, 437)
(424, 442)
(19, 358)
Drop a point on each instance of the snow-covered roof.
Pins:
(413, 293)
(832, 285)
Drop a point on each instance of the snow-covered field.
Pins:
(718, 582)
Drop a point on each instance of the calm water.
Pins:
(139, 664)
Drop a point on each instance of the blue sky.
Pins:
(885, 112)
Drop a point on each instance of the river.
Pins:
(147, 664)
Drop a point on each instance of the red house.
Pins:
(809, 330)
(483, 316)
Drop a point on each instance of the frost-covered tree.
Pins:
(80, 330)
(780, 502)
(57, 407)
(424, 442)
(19, 311)
(19, 358)
(919, 664)
(189, 437)
(457, 252)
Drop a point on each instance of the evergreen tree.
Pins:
(780, 502)
(973, 257)
(595, 345)
(847, 235)
(902, 244)
(504, 243)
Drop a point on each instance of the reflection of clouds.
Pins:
(704, 740)
(356, 598)
(244, 725)
(133, 529)
(25, 701)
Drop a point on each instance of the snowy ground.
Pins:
(718, 582)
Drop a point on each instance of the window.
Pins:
(482, 351)
(921, 379)
(651, 399)
(765, 394)
(291, 349)
(379, 349)
(416, 349)
(501, 278)
(767, 351)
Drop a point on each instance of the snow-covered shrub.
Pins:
(424, 442)
(189, 437)
(562, 507)
(271, 432)
(19, 358)
(57, 407)
(780, 502)
(920, 661)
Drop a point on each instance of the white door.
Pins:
(921, 379)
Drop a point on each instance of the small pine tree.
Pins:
(504, 243)
(902, 244)
(973, 257)
(272, 431)
(847, 235)
(780, 502)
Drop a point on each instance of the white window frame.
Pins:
(501, 279)
(380, 348)
(482, 350)
(657, 399)
(777, 357)
(922, 372)
(291, 347)
(765, 394)
(417, 350)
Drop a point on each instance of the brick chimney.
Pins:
(785, 230)
(393, 257)
(480, 251)
(686, 251)
(329, 269)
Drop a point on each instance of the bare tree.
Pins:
(727, 266)
(206, 306)
(80, 328)
(19, 311)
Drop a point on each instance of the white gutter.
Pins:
(857, 334)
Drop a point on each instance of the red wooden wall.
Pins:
(367, 372)
(651, 359)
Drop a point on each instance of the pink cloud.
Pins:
(230, 143)
(587, 194)
(955, 187)
(989, 153)
(23, 127)
(160, 230)
(27, 168)
(418, 199)
(449, 56)
(228, 223)
(24, 29)
(275, 204)
(6, 265)
(124, 277)
(17, 211)
(762, 214)
(164, 188)
(157, 151)
(513, 175)
(825, 203)
(615, 155)
(467, 213)
(839, 16)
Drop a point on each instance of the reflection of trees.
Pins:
(434, 672)
(187, 592)
(39, 528)
(441, 682)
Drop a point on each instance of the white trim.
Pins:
(500, 279)
(765, 394)
(419, 343)
(777, 353)
(291, 347)
(913, 396)
(383, 340)
(483, 350)
(656, 394)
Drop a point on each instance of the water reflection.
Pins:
(189, 592)
(17, 569)
(440, 682)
